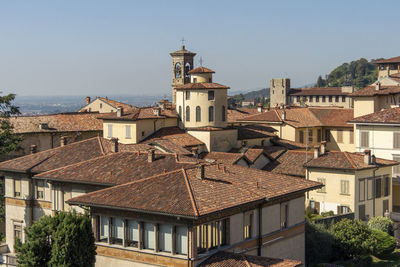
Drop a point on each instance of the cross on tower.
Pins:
(201, 61)
(183, 40)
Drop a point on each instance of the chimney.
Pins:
(259, 107)
(119, 112)
(200, 172)
(316, 152)
(87, 100)
(367, 157)
(323, 147)
(156, 111)
(283, 113)
(63, 140)
(150, 156)
(114, 145)
(33, 149)
(378, 86)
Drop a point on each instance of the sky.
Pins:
(98, 47)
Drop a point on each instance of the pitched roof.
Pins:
(182, 193)
(182, 51)
(290, 163)
(228, 259)
(201, 70)
(386, 116)
(118, 168)
(389, 60)
(224, 157)
(346, 161)
(371, 91)
(334, 117)
(117, 104)
(270, 115)
(61, 122)
(288, 144)
(199, 86)
(316, 91)
(239, 113)
(175, 135)
(140, 114)
(254, 131)
(273, 152)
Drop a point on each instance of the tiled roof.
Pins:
(389, 60)
(199, 86)
(386, 116)
(316, 91)
(175, 135)
(62, 122)
(306, 117)
(346, 161)
(239, 113)
(170, 147)
(182, 193)
(117, 104)
(254, 131)
(118, 168)
(290, 163)
(140, 114)
(274, 152)
(230, 259)
(253, 153)
(288, 144)
(201, 70)
(371, 91)
(224, 157)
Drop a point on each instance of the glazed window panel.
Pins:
(117, 233)
(132, 233)
(109, 130)
(344, 187)
(165, 238)
(284, 215)
(104, 227)
(364, 137)
(301, 136)
(211, 114)
(40, 185)
(17, 188)
(210, 95)
(387, 185)
(211, 235)
(187, 113)
(128, 132)
(396, 169)
(181, 240)
(187, 95)
(149, 236)
(198, 114)
(310, 136)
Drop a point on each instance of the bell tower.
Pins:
(182, 63)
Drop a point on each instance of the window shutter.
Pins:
(396, 140)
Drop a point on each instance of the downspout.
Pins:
(259, 230)
(373, 199)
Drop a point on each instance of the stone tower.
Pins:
(182, 63)
(278, 91)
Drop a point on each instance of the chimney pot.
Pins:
(63, 140)
(316, 152)
(88, 100)
(200, 172)
(119, 112)
(323, 147)
(367, 157)
(114, 145)
(150, 156)
(378, 86)
(33, 149)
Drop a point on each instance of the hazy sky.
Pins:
(99, 47)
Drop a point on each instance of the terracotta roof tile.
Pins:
(389, 60)
(239, 113)
(62, 122)
(229, 259)
(371, 91)
(140, 114)
(290, 163)
(334, 117)
(117, 104)
(254, 131)
(201, 70)
(199, 86)
(288, 144)
(389, 116)
(224, 157)
(175, 135)
(316, 91)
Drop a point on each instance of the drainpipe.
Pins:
(373, 199)
(259, 230)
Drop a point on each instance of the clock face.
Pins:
(178, 70)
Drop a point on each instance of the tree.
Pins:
(319, 244)
(65, 239)
(384, 244)
(381, 223)
(321, 82)
(8, 140)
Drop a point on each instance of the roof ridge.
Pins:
(191, 195)
(101, 145)
(277, 114)
(350, 160)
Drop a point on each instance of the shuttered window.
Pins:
(344, 187)
(396, 169)
(319, 135)
(301, 136)
(165, 238)
(327, 135)
(364, 139)
(149, 235)
(181, 240)
(322, 181)
(378, 188)
(396, 140)
(109, 132)
(351, 141)
(387, 185)
(198, 114)
(223, 113)
(133, 233)
(340, 136)
(362, 190)
(17, 187)
(127, 131)
(361, 212)
(310, 136)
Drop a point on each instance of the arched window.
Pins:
(187, 113)
(180, 111)
(178, 70)
(198, 113)
(223, 113)
(211, 113)
(187, 69)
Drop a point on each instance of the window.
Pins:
(304, 99)
(165, 238)
(187, 113)
(396, 140)
(132, 234)
(370, 188)
(211, 113)
(382, 67)
(101, 105)
(298, 98)
(323, 98)
(322, 189)
(188, 67)
(291, 98)
(248, 224)
(319, 135)
(127, 131)
(223, 113)
(210, 95)
(311, 98)
(343, 99)
(198, 114)
(385, 206)
(301, 136)
(339, 136)
(317, 98)
(284, 215)
(104, 221)
(387, 186)
(187, 95)
(17, 188)
(344, 187)
(393, 66)
(330, 98)
(327, 135)
(109, 132)
(361, 212)
(211, 235)
(310, 136)
(116, 231)
(337, 98)
(180, 112)
(142, 133)
(378, 188)
(351, 141)
(343, 209)
(361, 190)
(396, 169)
(149, 235)
(40, 189)
(17, 232)
(364, 139)
(181, 240)
(178, 70)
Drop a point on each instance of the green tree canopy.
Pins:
(8, 140)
